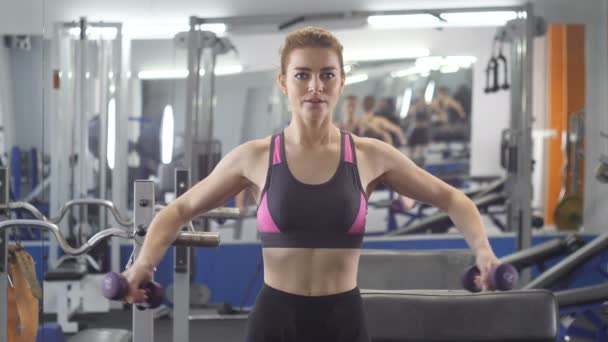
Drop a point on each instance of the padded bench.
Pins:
(67, 271)
(459, 316)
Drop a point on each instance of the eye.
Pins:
(301, 75)
(329, 75)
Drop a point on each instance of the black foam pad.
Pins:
(67, 271)
(457, 316)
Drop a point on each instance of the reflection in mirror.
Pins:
(23, 172)
(422, 108)
(85, 123)
(416, 87)
(21, 113)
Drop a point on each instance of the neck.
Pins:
(308, 133)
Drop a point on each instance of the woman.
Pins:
(312, 182)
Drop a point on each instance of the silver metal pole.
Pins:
(192, 103)
(104, 98)
(143, 320)
(181, 274)
(4, 262)
(525, 156)
(119, 174)
(520, 33)
(82, 107)
(204, 129)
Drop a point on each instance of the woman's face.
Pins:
(313, 82)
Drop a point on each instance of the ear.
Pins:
(281, 83)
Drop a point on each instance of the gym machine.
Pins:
(143, 321)
(516, 145)
(86, 99)
(68, 279)
(201, 150)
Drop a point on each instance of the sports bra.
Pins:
(292, 214)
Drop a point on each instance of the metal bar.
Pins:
(274, 19)
(104, 111)
(63, 244)
(197, 239)
(224, 213)
(194, 239)
(520, 34)
(143, 320)
(525, 147)
(27, 206)
(119, 174)
(181, 275)
(3, 262)
(123, 221)
(570, 263)
(191, 92)
(92, 201)
(220, 213)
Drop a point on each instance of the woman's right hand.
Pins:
(137, 276)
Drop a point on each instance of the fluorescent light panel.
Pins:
(405, 102)
(429, 92)
(447, 64)
(167, 133)
(355, 79)
(384, 54)
(111, 147)
(405, 20)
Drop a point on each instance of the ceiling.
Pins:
(36, 16)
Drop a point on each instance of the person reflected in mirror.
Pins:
(349, 122)
(419, 138)
(379, 127)
(445, 108)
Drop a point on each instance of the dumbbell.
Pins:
(115, 287)
(502, 277)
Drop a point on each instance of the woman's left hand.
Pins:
(485, 259)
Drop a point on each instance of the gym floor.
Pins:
(213, 329)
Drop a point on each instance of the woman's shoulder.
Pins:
(254, 149)
(371, 146)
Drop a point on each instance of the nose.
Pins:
(316, 85)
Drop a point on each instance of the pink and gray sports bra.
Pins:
(298, 215)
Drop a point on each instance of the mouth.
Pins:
(314, 101)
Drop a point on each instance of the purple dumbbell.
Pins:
(115, 287)
(502, 277)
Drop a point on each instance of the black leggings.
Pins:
(284, 317)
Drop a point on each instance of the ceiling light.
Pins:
(402, 21)
(355, 79)
(384, 54)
